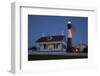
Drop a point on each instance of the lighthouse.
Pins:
(69, 39)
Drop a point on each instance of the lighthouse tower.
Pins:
(69, 40)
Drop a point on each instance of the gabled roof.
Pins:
(51, 38)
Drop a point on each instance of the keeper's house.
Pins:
(52, 43)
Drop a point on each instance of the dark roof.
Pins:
(51, 38)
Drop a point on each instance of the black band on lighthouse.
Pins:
(69, 26)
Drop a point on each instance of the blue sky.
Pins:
(55, 25)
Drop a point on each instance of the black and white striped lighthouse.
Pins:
(69, 40)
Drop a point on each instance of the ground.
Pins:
(53, 57)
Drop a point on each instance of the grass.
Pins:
(52, 57)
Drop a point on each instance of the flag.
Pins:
(73, 29)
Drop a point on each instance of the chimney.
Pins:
(43, 34)
(62, 33)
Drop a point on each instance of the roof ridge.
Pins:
(53, 35)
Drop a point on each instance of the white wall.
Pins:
(5, 32)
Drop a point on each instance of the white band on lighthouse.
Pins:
(69, 33)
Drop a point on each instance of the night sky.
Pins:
(55, 25)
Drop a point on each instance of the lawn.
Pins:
(53, 57)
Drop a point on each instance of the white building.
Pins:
(52, 43)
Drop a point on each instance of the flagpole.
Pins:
(81, 39)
